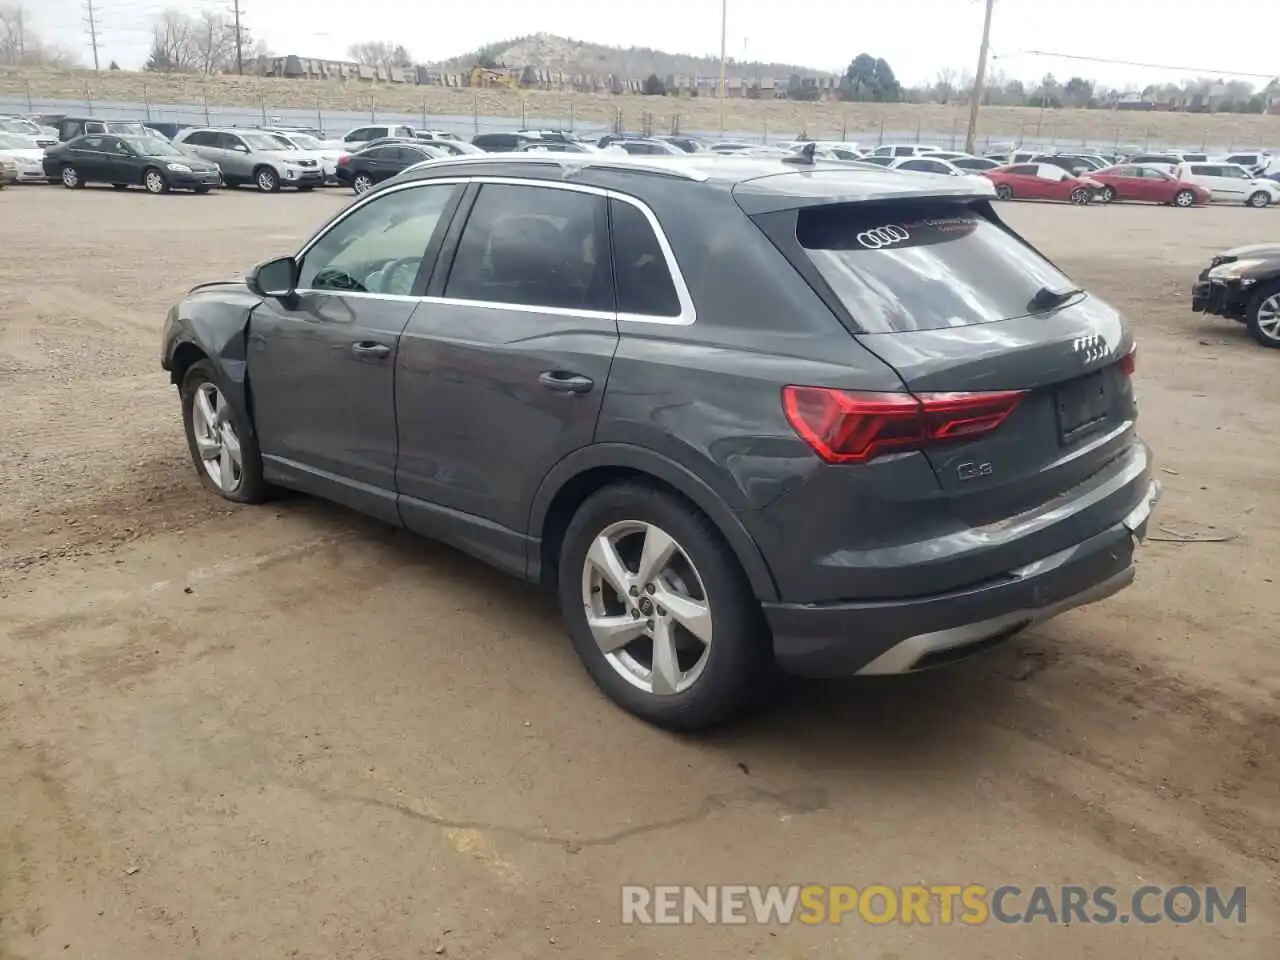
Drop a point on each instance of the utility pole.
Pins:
(239, 45)
(93, 31)
(724, 22)
(979, 81)
(22, 46)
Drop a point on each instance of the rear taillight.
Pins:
(843, 426)
(342, 160)
(1129, 362)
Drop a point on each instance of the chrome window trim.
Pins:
(688, 313)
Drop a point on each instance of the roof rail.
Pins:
(571, 162)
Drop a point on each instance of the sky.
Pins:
(918, 37)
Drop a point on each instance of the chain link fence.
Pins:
(1041, 130)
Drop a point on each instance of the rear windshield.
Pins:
(923, 266)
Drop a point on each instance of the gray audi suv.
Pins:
(739, 413)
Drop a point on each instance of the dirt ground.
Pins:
(288, 731)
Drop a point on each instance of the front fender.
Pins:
(674, 474)
(213, 318)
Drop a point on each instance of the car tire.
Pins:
(1259, 199)
(154, 181)
(1004, 192)
(1262, 316)
(1184, 198)
(71, 178)
(1108, 194)
(1081, 196)
(229, 432)
(713, 676)
(362, 183)
(266, 180)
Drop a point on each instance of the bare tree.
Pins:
(20, 46)
(380, 53)
(174, 46)
(944, 87)
(213, 43)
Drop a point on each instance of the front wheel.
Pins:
(659, 611)
(223, 448)
(155, 182)
(1263, 316)
(1004, 192)
(362, 183)
(1184, 198)
(1080, 196)
(1259, 199)
(71, 177)
(267, 180)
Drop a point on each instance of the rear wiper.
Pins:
(1047, 299)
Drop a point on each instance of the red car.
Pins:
(1135, 181)
(1041, 181)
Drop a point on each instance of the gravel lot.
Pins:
(291, 732)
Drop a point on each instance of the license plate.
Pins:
(1083, 406)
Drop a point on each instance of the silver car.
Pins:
(251, 156)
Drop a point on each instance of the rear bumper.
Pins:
(900, 636)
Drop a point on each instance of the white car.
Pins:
(28, 158)
(323, 153)
(358, 137)
(902, 150)
(933, 165)
(1230, 183)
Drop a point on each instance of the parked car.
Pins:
(1041, 181)
(125, 161)
(457, 148)
(71, 127)
(1077, 164)
(27, 158)
(1133, 181)
(1230, 183)
(252, 156)
(714, 467)
(1243, 284)
(308, 146)
(647, 148)
(502, 142)
(22, 127)
(974, 164)
(1254, 161)
(366, 168)
(435, 136)
(902, 150)
(362, 135)
(928, 164)
(165, 128)
(881, 161)
(1166, 161)
(555, 146)
(686, 144)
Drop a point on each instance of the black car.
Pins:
(364, 169)
(1243, 284)
(737, 413)
(71, 127)
(503, 142)
(125, 161)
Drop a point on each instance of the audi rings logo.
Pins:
(1090, 349)
(885, 236)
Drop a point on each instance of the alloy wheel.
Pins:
(361, 183)
(1108, 195)
(155, 182)
(1259, 199)
(216, 438)
(1268, 322)
(1080, 196)
(70, 177)
(1185, 198)
(266, 181)
(646, 607)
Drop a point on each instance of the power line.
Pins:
(1145, 66)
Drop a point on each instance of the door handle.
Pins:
(561, 381)
(368, 350)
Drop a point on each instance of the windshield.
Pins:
(265, 141)
(153, 147)
(131, 127)
(923, 265)
(18, 125)
(14, 141)
(306, 141)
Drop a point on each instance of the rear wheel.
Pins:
(1108, 194)
(1259, 199)
(658, 608)
(154, 181)
(1184, 198)
(1080, 196)
(71, 177)
(1004, 191)
(1263, 316)
(362, 182)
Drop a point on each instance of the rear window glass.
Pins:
(924, 266)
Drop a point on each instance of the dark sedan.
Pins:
(123, 161)
(374, 164)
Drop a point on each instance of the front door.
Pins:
(502, 371)
(88, 158)
(119, 162)
(321, 365)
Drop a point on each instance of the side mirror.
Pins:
(275, 278)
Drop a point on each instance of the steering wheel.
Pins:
(394, 277)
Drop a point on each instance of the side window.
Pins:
(88, 143)
(643, 282)
(1023, 170)
(534, 246)
(904, 151)
(364, 133)
(402, 132)
(410, 155)
(197, 139)
(379, 247)
(115, 145)
(229, 141)
(883, 152)
(94, 126)
(1203, 170)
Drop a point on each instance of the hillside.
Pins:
(546, 51)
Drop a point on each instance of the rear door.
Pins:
(502, 370)
(960, 304)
